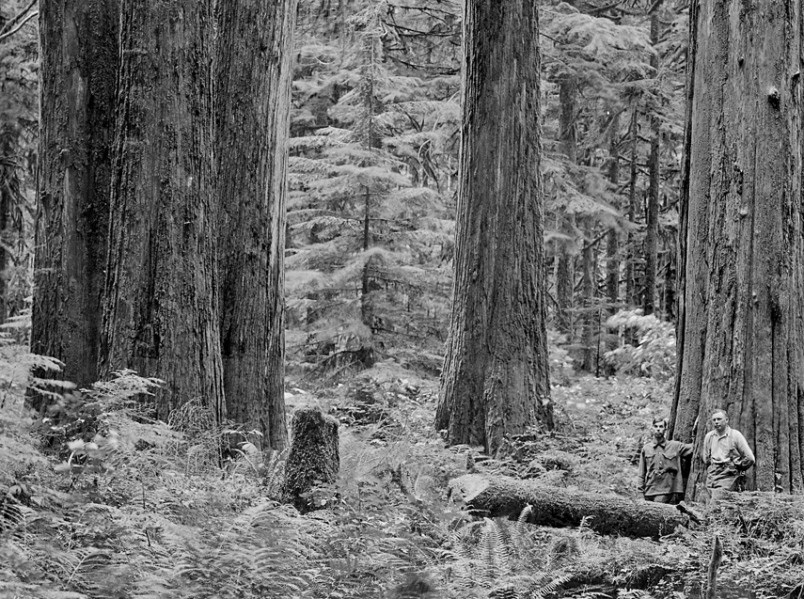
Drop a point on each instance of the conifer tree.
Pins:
(78, 91)
(369, 230)
(495, 381)
(252, 109)
(741, 326)
(160, 315)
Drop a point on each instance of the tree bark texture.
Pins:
(314, 456)
(252, 111)
(160, 315)
(506, 497)
(79, 51)
(495, 381)
(740, 320)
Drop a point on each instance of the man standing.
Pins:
(660, 476)
(726, 455)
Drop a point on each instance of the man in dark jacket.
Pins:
(660, 476)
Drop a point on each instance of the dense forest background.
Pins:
(613, 110)
(370, 229)
(107, 499)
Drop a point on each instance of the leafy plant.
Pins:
(655, 352)
(495, 558)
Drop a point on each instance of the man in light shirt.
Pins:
(726, 454)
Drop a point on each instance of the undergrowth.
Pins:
(125, 506)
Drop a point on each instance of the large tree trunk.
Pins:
(252, 110)
(161, 314)
(496, 380)
(506, 497)
(740, 323)
(79, 62)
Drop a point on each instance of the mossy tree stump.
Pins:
(313, 459)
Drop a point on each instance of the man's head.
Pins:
(659, 428)
(720, 420)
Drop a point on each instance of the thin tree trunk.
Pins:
(613, 237)
(565, 279)
(591, 320)
(496, 380)
(670, 279)
(365, 279)
(78, 40)
(8, 180)
(161, 315)
(741, 323)
(652, 220)
(252, 111)
(565, 275)
(630, 265)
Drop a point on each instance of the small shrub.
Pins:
(654, 354)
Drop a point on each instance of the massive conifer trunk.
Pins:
(252, 109)
(161, 314)
(740, 322)
(78, 84)
(495, 380)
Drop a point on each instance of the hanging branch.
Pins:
(16, 23)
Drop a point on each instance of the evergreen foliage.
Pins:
(370, 230)
(18, 133)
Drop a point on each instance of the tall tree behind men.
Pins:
(495, 381)
(252, 110)
(741, 331)
(78, 40)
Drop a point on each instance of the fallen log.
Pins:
(501, 496)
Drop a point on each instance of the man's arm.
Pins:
(747, 458)
(685, 450)
(707, 448)
(643, 470)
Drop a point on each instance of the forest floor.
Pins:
(152, 510)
